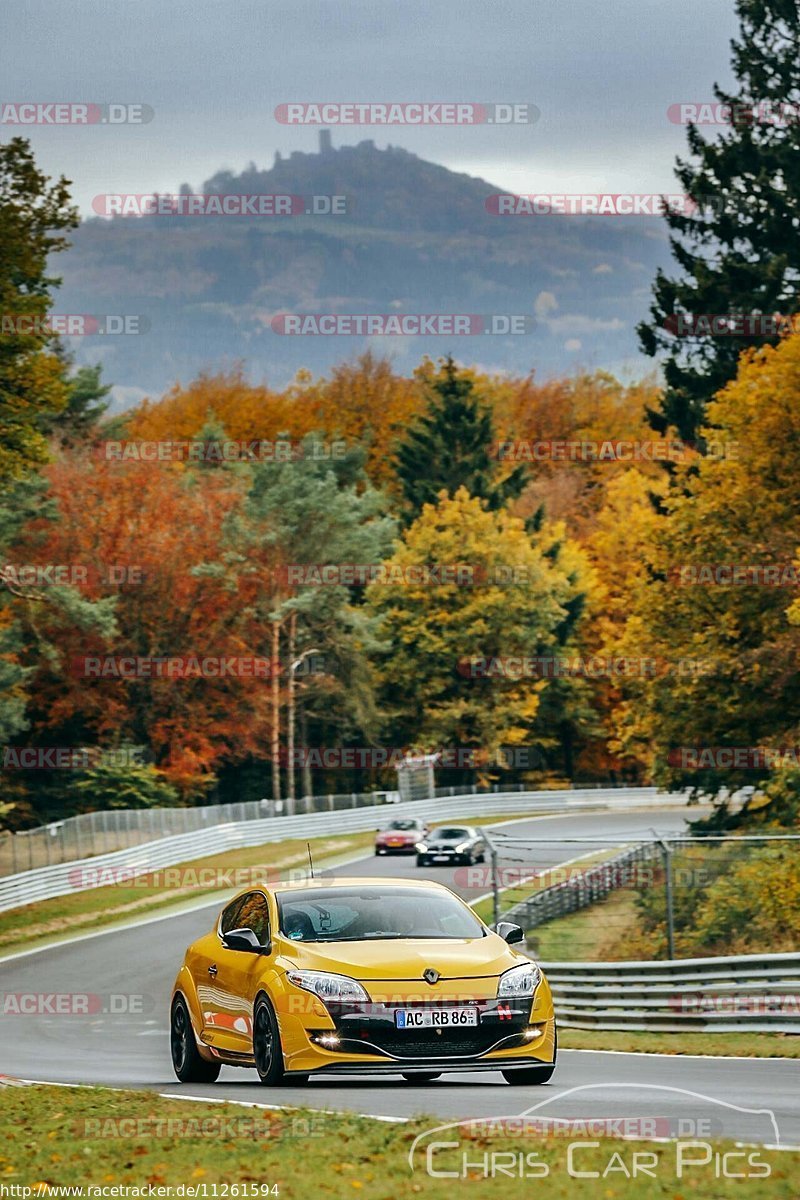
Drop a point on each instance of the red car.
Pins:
(401, 836)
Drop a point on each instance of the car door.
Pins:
(238, 974)
(205, 970)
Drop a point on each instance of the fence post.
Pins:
(667, 855)
(495, 880)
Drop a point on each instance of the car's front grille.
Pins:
(426, 1043)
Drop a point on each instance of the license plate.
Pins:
(441, 858)
(437, 1018)
(395, 842)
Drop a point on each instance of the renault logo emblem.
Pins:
(430, 975)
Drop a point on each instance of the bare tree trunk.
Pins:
(290, 711)
(276, 712)
(306, 769)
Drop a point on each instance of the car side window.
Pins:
(254, 914)
(230, 916)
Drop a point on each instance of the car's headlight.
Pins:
(519, 981)
(421, 847)
(464, 846)
(328, 987)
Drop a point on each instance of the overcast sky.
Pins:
(603, 77)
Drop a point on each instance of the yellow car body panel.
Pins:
(221, 1005)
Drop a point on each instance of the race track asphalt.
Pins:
(754, 1100)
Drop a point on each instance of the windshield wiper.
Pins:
(385, 937)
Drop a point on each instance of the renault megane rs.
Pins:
(359, 976)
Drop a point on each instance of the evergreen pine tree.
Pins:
(451, 447)
(739, 252)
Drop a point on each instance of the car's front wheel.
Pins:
(186, 1060)
(534, 1075)
(267, 1050)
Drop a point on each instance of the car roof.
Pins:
(301, 885)
(371, 881)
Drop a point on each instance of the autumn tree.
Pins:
(248, 412)
(365, 403)
(509, 600)
(297, 518)
(137, 532)
(721, 579)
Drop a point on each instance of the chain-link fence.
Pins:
(118, 829)
(667, 897)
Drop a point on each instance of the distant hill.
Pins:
(416, 238)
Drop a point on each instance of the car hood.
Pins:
(404, 959)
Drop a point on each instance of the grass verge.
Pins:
(518, 892)
(94, 1137)
(593, 934)
(744, 1045)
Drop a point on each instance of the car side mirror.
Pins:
(242, 939)
(509, 932)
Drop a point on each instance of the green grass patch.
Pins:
(94, 1137)
(745, 1045)
(597, 933)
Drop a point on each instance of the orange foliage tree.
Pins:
(140, 533)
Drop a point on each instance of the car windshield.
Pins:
(449, 835)
(404, 825)
(359, 914)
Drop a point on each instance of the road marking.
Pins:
(328, 1112)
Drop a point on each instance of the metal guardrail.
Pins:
(753, 993)
(587, 886)
(105, 831)
(60, 879)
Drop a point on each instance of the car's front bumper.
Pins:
(506, 1036)
(432, 1066)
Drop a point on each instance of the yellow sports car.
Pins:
(359, 976)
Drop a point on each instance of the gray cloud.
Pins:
(602, 77)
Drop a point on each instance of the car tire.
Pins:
(186, 1061)
(422, 1076)
(534, 1075)
(267, 1050)
(469, 859)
